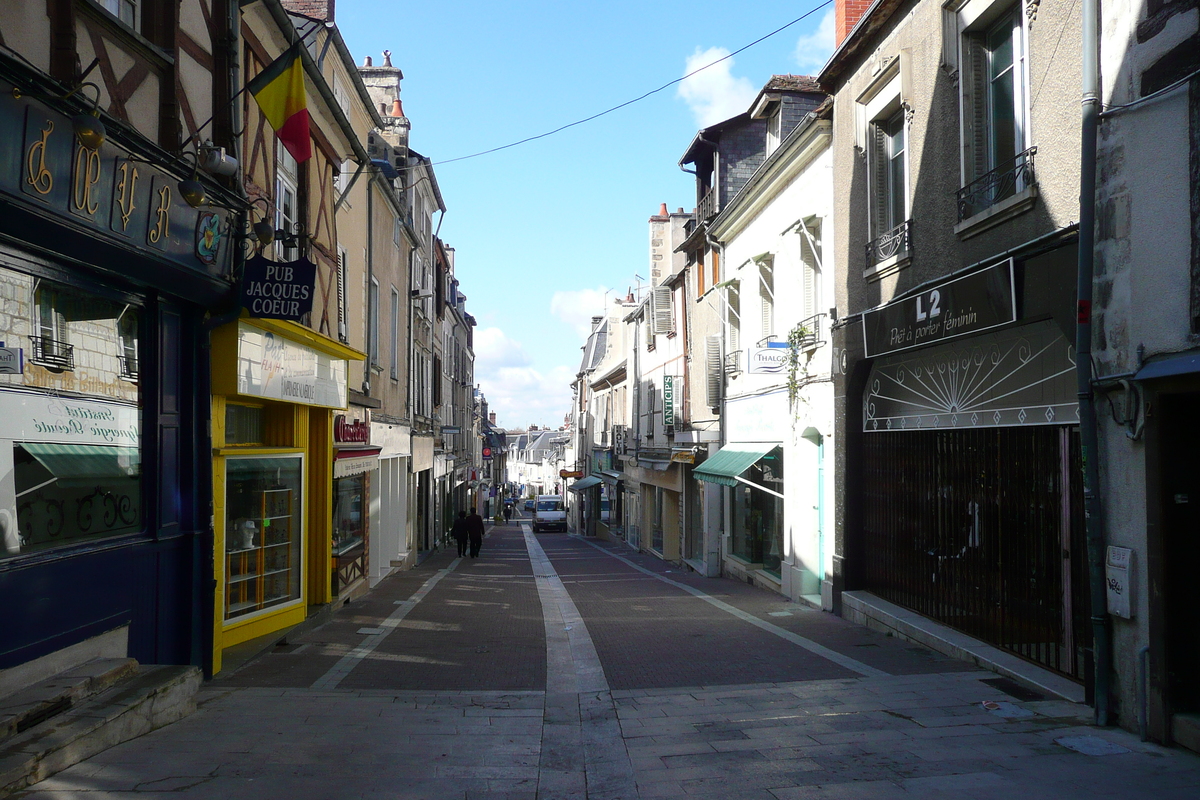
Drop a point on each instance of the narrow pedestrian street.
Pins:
(558, 667)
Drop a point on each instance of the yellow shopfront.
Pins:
(276, 387)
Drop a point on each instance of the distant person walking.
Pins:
(507, 512)
(475, 531)
(461, 532)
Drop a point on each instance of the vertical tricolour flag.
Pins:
(279, 92)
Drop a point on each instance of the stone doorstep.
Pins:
(876, 613)
(149, 698)
(1185, 731)
(60, 693)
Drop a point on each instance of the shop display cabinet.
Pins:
(258, 557)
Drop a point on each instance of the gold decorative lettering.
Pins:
(162, 224)
(87, 175)
(129, 177)
(37, 175)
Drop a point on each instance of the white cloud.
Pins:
(714, 94)
(813, 49)
(518, 392)
(577, 308)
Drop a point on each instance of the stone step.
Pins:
(145, 699)
(46, 699)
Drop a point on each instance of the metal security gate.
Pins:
(976, 528)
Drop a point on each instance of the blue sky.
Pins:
(541, 231)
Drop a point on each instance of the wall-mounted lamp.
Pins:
(263, 230)
(89, 130)
(191, 189)
(215, 161)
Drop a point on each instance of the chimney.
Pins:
(492, 417)
(847, 13)
(596, 322)
(662, 211)
(367, 61)
(397, 109)
(317, 9)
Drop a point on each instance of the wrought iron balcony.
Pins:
(733, 362)
(52, 354)
(815, 328)
(1001, 183)
(896, 242)
(129, 367)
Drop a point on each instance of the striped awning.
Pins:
(730, 462)
(68, 461)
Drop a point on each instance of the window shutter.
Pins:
(766, 294)
(975, 107)
(734, 318)
(712, 370)
(808, 271)
(879, 181)
(661, 310)
(341, 295)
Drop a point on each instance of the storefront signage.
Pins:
(125, 199)
(685, 457)
(353, 432)
(566, 473)
(972, 303)
(487, 452)
(345, 467)
(274, 368)
(668, 400)
(278, 290)
(451, 429)
(37, 417)
(766, 360)
(12, 360)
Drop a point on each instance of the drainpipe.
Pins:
(1089, 438)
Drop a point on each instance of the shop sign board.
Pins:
(668, 400)
(37, 417)
(451, 429)
(278, 290)
(684, 457)
(12, 360)
(766, 360)
(119, 196)
(566, 473)
(972, 303)
(352, 432)
(274, 368)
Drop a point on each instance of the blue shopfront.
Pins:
(106, 275)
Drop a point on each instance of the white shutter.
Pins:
(661, 310)
(712, 370)
(766, 293)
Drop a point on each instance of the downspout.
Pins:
(372, 332)
(1089, 437)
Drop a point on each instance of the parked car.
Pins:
(549, 513)
(529, 504)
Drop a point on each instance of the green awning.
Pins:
(89, 461)
(584, 483)
(731, 461)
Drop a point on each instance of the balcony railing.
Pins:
(733, 362)
(53, 354)
(708, 205)
(896, 242)
(815, 330)
(129, 367)
(1001, 183)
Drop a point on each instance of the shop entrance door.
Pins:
(1180, 500)
(976, 528)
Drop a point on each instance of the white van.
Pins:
(549, 513)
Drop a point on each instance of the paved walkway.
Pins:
(556, 667)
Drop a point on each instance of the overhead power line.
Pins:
(667, 85)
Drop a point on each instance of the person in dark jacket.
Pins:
(461, 532)
(475, 530)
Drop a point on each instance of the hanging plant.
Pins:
(797, 337)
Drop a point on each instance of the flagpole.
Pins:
(242, 91)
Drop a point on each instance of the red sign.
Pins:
(487, 452)
(566, 473)
(357, 432)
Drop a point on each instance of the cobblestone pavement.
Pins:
(556, 667)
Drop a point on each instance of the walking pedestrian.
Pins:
(475, 531)
(461, 532)
(507, 512)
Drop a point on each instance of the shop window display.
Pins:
(349, 523)
(758, 515)
(70, 422)
(262, 533)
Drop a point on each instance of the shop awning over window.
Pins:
(584, 483)
(90, 461)
(730, 462)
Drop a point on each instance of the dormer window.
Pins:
(774, 125)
